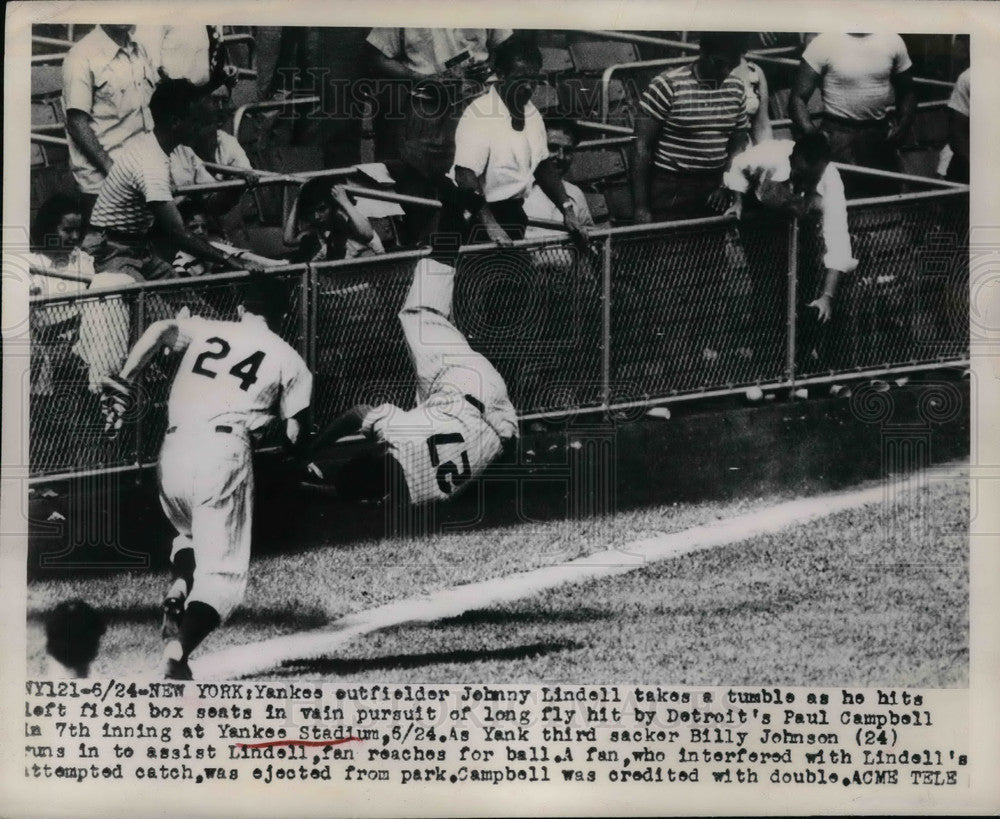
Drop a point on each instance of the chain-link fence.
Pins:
(641, 314)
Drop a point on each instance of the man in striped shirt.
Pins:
(693, 121)
(137, 194)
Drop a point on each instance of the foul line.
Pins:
(256, 658)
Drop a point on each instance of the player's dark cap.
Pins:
(265, 296)
(73, 631)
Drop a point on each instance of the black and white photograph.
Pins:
(499, 360)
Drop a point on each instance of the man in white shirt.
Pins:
(562, 137)
(501, 150)
(859, 76)
(784, 178)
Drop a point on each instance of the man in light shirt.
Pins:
(781, 178)
(562, 137)
(501, 150)
(108, 81)
(859, 76)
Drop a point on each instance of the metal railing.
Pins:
(642, 315)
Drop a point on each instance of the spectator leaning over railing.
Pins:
(136, 195)
(501, 149)
(790, 179)
(108, 81)
(692, 121)
(859, 77)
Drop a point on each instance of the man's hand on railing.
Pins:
(578, 231)
(642, 216)
(497, 234)
(736, 208)
(720, 199)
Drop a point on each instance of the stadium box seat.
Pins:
(618, 197)
(555, 60)
(595, 166)
(598, 206)
(46, 80)
(593, 56)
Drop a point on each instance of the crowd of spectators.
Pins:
(454, 121)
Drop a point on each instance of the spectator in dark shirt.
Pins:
(692, 121)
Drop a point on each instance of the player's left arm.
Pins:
(118, 391)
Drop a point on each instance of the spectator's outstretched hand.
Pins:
(575, 226)
(824, 304)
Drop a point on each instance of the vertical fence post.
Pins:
(606, 323)
(138, 314)
(307, 324)
(793, 292)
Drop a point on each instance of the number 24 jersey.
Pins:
(236, 372)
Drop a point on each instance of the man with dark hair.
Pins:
(73, 631)
(692, 121)
(501, 148)
(137, 195)
(234, 377)
(562, 136)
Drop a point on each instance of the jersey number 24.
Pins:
(245, 370)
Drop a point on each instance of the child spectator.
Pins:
(325, 225)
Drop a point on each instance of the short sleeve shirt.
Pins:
(960, 94)
(504, 159)
(856, 72)
(238, 373)
(426, 50)
(186, 167)
(697, 119)
(113, 86)
(140, 175)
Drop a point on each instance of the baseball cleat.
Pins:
(173, 610)
(177, 670)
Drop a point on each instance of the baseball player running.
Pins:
(233, 378)
(462, 420)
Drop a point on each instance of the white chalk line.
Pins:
(256, 658)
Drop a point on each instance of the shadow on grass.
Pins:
(505, 618)
(151, 616)
(346, 666)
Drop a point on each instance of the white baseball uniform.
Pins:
(463, 410)
(234, 377)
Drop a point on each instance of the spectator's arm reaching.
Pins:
(467, 180)
(647, 129)
(79, 129)
(906, 107)
(838, 258)
(358, 226)
(168, 219)
(548, 179)
(958, 135)
(761, 125)
(807, 80)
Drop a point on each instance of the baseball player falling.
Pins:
(462, 420)
(233, 378)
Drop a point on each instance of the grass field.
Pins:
(860, 597)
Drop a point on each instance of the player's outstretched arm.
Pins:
(346, 424)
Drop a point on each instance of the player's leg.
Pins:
(221, 529)
(176, 502)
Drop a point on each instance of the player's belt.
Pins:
(476, 403)
(219, 428)
(857, 124)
